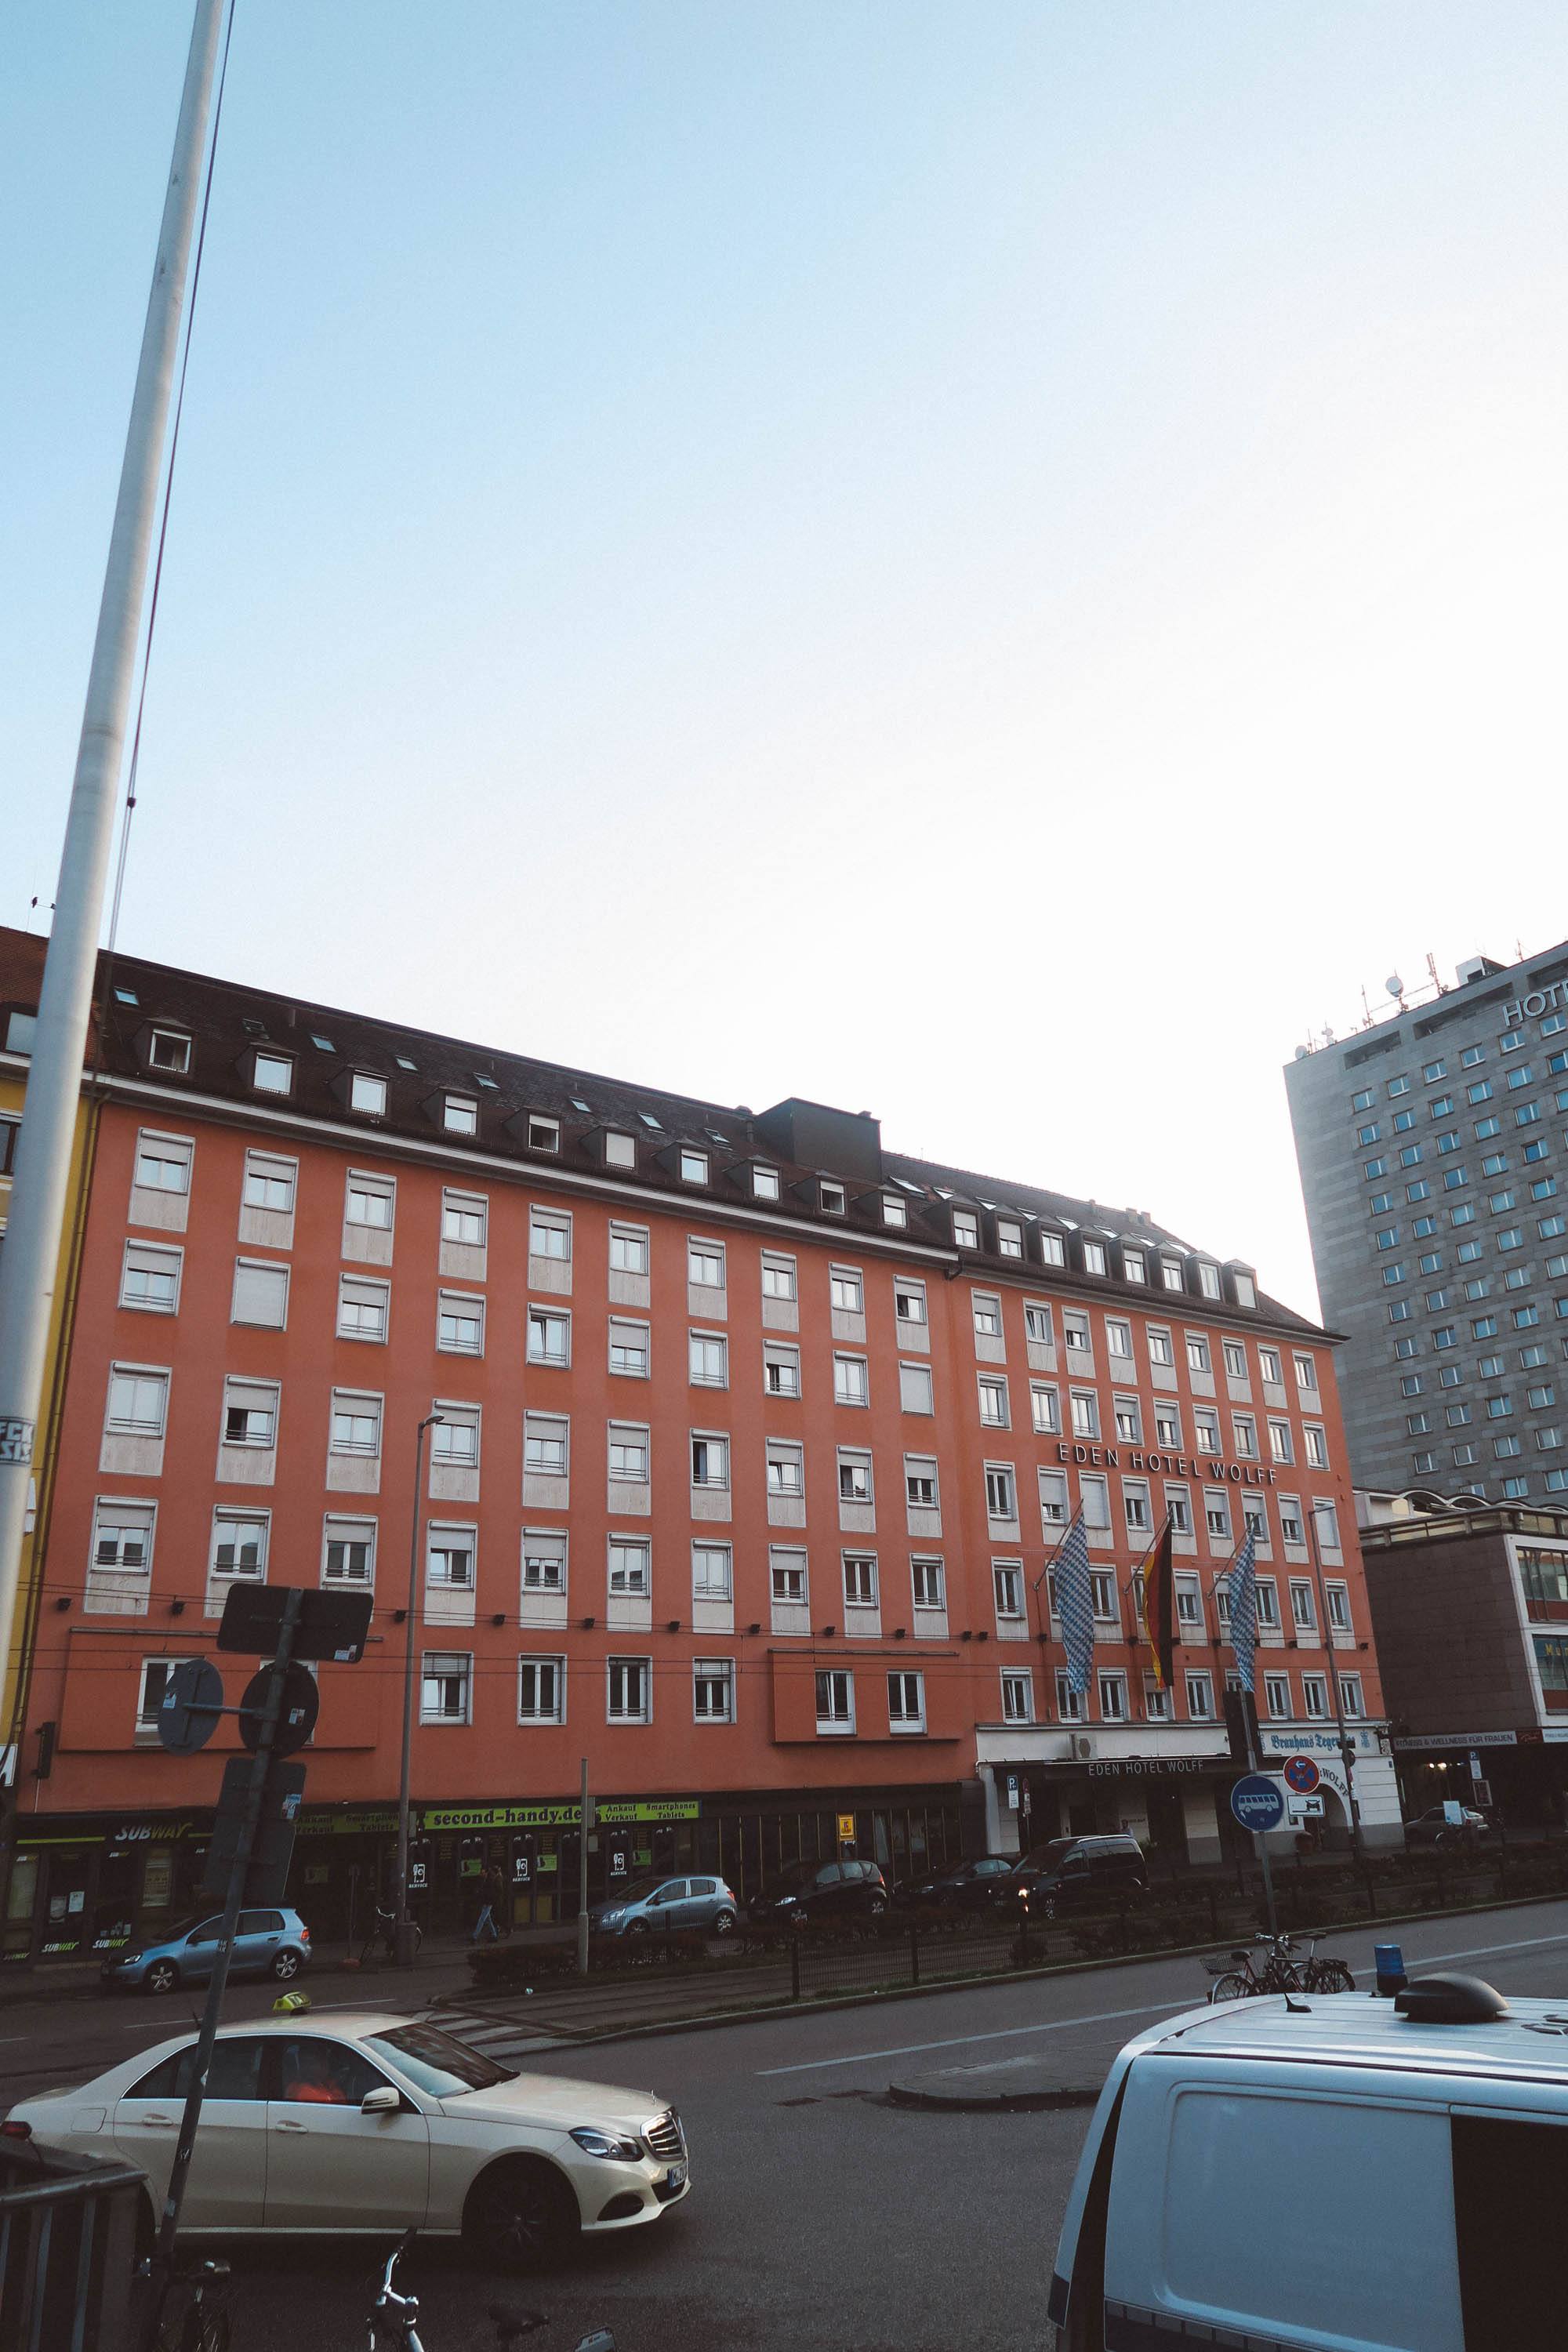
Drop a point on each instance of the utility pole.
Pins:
(65, 1007)
(585, 1823)
(403, 1930)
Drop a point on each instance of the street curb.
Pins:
(769, 2012)
(992, 2103)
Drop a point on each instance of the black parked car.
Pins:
(1075, 1873)
(967, 1886)
(820, 1890)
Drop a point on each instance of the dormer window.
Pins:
(1209, 1280)
(272, 1074)
(20, 1028)
(1246, 1289)
(620, 1150)
(965, 1229)
(1133, 1267)
(1170, 1273)
(1094, 1257)
(1052, 1252)
(766, 1183)
(171, 1050)
(543, 1134)
(894, 1210)
(366, 1092)
(831, 1200)
(693, 1166)
(459, 1115)
(1009, 1238)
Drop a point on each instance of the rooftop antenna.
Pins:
(1440, 985)
(1396, 988)
(1328, 1035)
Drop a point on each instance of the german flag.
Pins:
(1158, 1585)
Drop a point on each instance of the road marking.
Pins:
(1002, 2034)
(1113, 2016)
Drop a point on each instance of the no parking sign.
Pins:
(1301, 1776)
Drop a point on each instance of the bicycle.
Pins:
(202, 2326)
(396, 2316)
(1281, 1971)
(385, 1933)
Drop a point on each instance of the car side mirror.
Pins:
(382, 2101)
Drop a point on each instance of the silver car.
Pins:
(655, 1905)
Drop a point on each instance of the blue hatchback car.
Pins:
(267, 1944)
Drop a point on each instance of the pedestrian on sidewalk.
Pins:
(489, 1896)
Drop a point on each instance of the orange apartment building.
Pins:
(755, 1441)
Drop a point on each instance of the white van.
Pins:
(1347, 2173)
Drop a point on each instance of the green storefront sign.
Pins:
(612, 1811)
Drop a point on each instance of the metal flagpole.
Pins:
(65, 1007)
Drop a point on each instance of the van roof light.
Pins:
(1449, 2000)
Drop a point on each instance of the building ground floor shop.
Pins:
(1520, 1778)
(83, 1887)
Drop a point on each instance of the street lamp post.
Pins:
(1347, 1745)
(403, 1933)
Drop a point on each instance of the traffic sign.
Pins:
(296, 1718)
(327, 1624)
(1256, 1803)
(190, 1706)
(1301, 1775)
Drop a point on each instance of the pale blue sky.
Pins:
(987, 563)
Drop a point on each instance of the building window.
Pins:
(993, 1394)
(620, 1150)
(1217, 1514)
(270, 1183)
(1135, 1503)
(150, 1279)
(909, 1301)
(1303, 1615)
(854, 1478)
(542, 1690)
(1129, 1419)
(987, 1313)
(356, 1423)
(464, 1219)
(710, 1359)
(250, 1412)
(915, 1393)
(628, 1249)
(629, 1690)
(1037, 1328)
(778, 1276)
(549, 1337)
(765, 1183)
(711, 1462)
(1205, 1429)
(460, 1324)
(348, 1551)
(1114, 1698)
(1328, 1525)
(786, 1577)
(455, 1439)
(1246, 1436)
(928, 1584)
(711, 1572)
(1280, 1448)
(629, 1349)
(1000, 1499)
(781, 1369)
(239, 1544)
(1017, 1699)
(693, 1166)
(630, 1567)
(714, 1690)
(1076, 1333)
(906, 1702)
(1085, 1414)
(859, 1581)
(1119, 1342)
(629, 1453)
(1350, 1704)
(1008, 1583)
(367, 1094)
(785, 1468)
(1053, 1250)
(1200, 1698)
(965, 1230)
(894, 1212)
(1160, 1350)
(1134, 1268)
(272, 1074)
(1168, 1428)
(363, 1308)
(369, 1200)
(846, 1290)
(919, 1482)
(445, 1686)
(831, 1199)
(1069, 1702)
(122, 1537)
(1044, 1409)
(836, 1701)
(260, 1294)
(543, 1134)
(1010, 1238)
(138, 1402)
(543, 1561)
(849, 1380)
(449, 1558)
(1277, 1696)
(705, 1265)
(1197, 1353)
(459, 1115)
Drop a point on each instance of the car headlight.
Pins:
(611, 1918)
(606, 2144)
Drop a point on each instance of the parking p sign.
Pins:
(1256, 1804)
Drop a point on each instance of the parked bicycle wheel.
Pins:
(1329, 1976)
(1234, 1987)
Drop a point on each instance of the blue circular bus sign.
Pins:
(1256, 1803)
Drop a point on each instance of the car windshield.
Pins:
(1046, 1857)
(636, 1890)
(436, 2063)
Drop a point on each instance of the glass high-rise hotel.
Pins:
(1434, 1155)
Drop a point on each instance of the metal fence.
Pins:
(67, 2244)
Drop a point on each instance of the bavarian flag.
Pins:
(1158, 1585)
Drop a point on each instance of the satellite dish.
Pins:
(1394, 985)
(1301, 1053)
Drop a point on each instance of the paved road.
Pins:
(823, 2219)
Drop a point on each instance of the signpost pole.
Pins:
(1259, 1838)
(261, 1766)
(1347, 1745)
(585, 1823)
(403, 1937)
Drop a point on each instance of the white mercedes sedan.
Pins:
(369, 2124)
